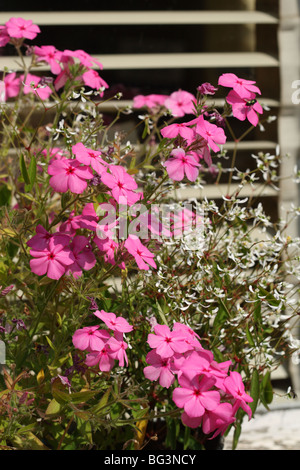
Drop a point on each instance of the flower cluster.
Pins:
(15, 31)
(209, 394)
(103, 346)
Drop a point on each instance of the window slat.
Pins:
(142, 17)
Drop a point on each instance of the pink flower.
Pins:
(86, 220)
(40, 241)
(181, 164)
(235, 387)
(218, 419)
(211, 133)
(69, 174)
(50, 55)
(165, 342)
(31, 86)
(89, 338)
(90, 157)
(207, 89)
(92, 79)
(102, 357)
(84, 58)
(159, 369)
(195, 396)
(241, 86)
(12, 85)
(118, 349)
(84, 257)
(180, 103)
(122, 185)
(54, 259)
(174, 130)
(4, 36)
(20, 28)
(244, 107)
(150, 101)
(113, 322)
(141, 254)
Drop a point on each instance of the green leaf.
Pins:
(249, 337)
(267, 389)
(236, 435)
(254, 390)
(31, 173)
(53, 408)
(5, 195)
(23, 169)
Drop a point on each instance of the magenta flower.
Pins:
(211, 133)
(241, 86)
(90, 338)
(84, 257)
(180, 103)
(50, 55)
(244, 107)
(31, 86)
(40, 241)
(4, 36)
(149, 101)
(92, 79)
(20, 28)
(218, 419)
(207, 89)
(122, 184)
(118, 349)
(235, 387)
(141, 254)
(69, 174)
(54, 259)
(159, 369)
(113, 322)
(182, 164)
(103, 358)
(195, 396)
(165, 342)
(84, 58)
(174, 130)
(90, 157)
(12, 85)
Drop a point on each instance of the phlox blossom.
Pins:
(41, 239)
(165, 342)
(180, 103)
(20, 28)
(69, 174)
(118, 348)
(241, 86)
(122, 184)
(4, 36)
(84, 58)
(159, 369)
(182, 164)
(141, 254)
(149, 101)
(90, 157)
(84, 257)
(31, 86)
(196, 396)
(174, 130)
(12, 85)
(54, 259)
(244, 107)
(92, 79)
(211, 133)
(103, 358)
(235, 387)
(90, 338)
(113, 322)
(50, 55)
